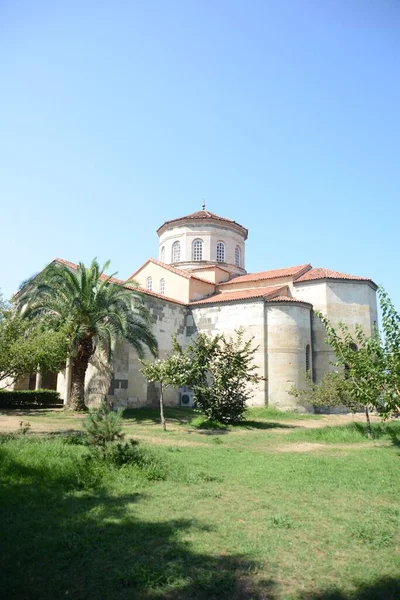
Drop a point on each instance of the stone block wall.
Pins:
(226, 318)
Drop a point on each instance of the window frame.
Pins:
(238, 257)
(149, 283)
(176, 252)
(162, 254)
(162, 286)
(197, 255)
(220, 245)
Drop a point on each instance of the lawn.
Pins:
(281, 508)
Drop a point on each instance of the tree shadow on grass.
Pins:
(385, 588)
(140, 415)
(263, 425)
(61, 540)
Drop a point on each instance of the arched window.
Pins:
(162, 254)
(176, 252)
(237, 256)
(149, 284)
(197, 250)
(308, 359)
(220, 252)
(162, 286)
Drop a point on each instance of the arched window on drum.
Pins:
(237, 256)
(197, 250)
(176, 252)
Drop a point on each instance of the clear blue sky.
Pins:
(283, 114)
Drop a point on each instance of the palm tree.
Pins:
(96, 310)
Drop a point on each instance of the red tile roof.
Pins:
(288, 299)
(274, 274)
(209, 268)
(72, 265)
(265, 292)
(182, 272)
(160, 296)
(204, 215)
(321, 273)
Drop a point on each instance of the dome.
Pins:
(201, 240)
(203, 215)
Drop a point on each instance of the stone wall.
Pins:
(123, 383)
(351, 302)
(288, 332)
(226, 318)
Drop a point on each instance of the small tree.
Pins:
(103, 427)
(175, 370)
(221, 374)
(364, 363)
(332, 390)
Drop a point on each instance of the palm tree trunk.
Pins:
(79, 368)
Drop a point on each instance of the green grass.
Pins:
(349, 434)
(269, 412)
(201, 516)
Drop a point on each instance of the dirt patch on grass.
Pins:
(329, 421)
(318, 446)
(165, 441)
(299, 447)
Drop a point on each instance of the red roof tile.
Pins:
(241, 295)
(321, 273)
(203, 215)
(181, 272)
(288, 299)
(274, 274)
(160, 296)
(72, 265)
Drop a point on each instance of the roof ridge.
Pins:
(219, 296)
(103, 276)
(204, 214)
(295, 271)
(176, 270)
(323, 273)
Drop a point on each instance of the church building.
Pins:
(199, 283)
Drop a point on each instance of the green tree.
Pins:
(26, 346)
(332, 390)
(221, 374)
(103, 427)
(175, 370)
(95, 311)
(371, 363)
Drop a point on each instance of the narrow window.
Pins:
(308, 359)
(176, 252)
(162, 254)
(149, 284)
(197, 250)
(237, 256)
(220, 252)
(162, 286)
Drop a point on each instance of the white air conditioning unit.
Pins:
(186, 397)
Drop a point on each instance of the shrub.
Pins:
(202, 422)
(103, 427)
(29, 399)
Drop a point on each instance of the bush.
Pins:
(103, 427)
(202, 422)
(29, 399)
